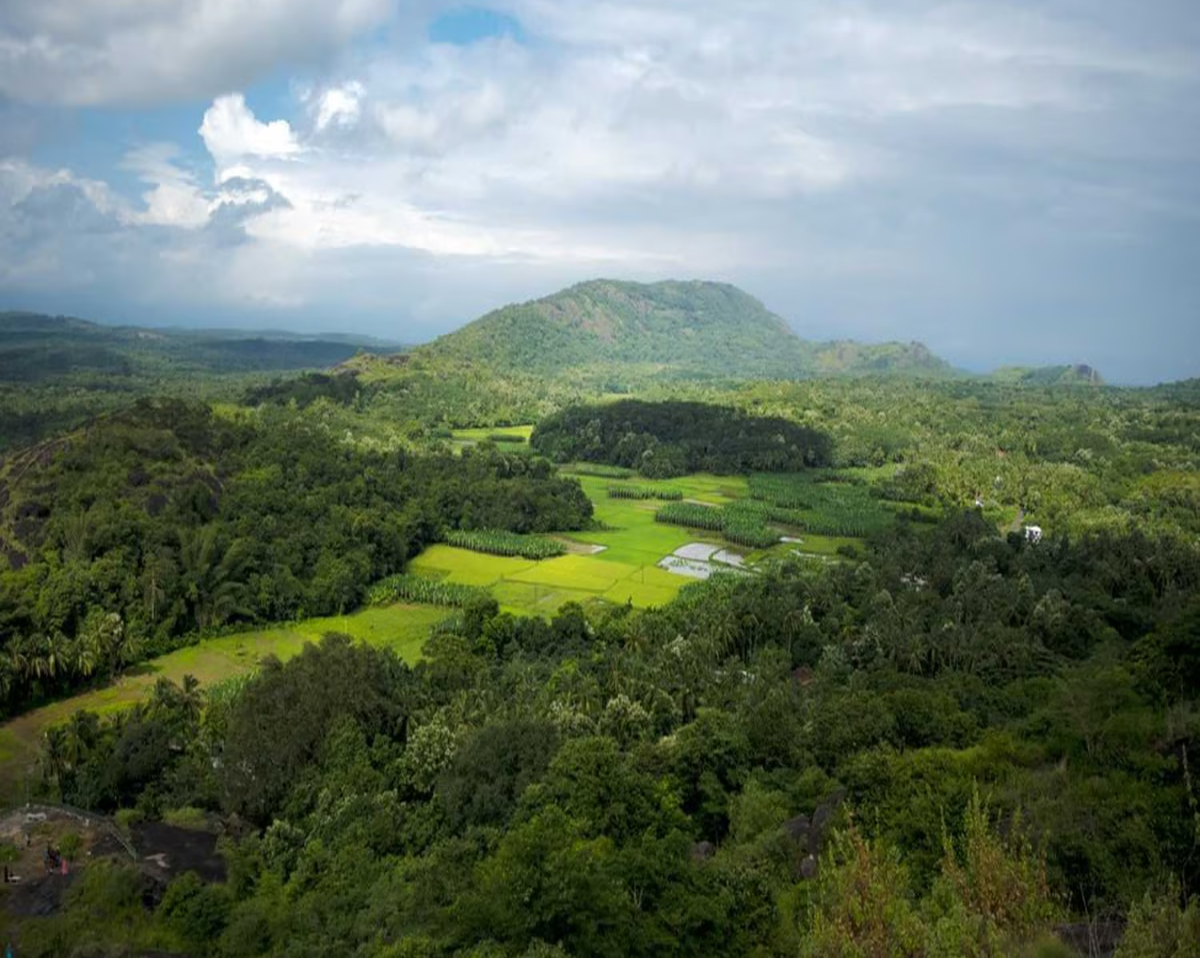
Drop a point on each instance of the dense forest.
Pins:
(673, 438)
(167, 521)
(951, 746)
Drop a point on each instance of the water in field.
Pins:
(696, 551)
(701, 560)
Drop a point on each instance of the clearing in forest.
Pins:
(400, 627)
(626, 570)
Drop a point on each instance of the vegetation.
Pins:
(830, 504)
(504, 544)
(740, 523)
(168, 522)
(531, 780)
(689, 329)
(671, 439)
(934, 738)
(602, 470)
(626, 491)
(414, 589)
(57, 373)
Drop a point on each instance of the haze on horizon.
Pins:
(1008, 182)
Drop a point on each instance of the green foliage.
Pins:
(340, 388)
(991, 899)
(410, 588)
(57, 373)
(1161, 925)
(695, 515)
(738, 523)
(488, 774)
(504, 544)
(863, 907)
(676, 328)
(602, 470)
(669, 439)
(282, 718)
(102, 914)
(195, 912)
(168, 522)
(617, 781)
(631, 492)
(825, 504)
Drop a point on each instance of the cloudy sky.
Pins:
(1006, 180)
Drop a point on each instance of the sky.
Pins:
(1008, 181)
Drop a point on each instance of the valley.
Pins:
(622, 621)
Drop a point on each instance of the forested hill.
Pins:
(56, 373)
(1055, 375)
(35, 348)
(678, 328)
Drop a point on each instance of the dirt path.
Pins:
(1018, 522)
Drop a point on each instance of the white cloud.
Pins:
(174, 198)
(339, 106)
(231, 132)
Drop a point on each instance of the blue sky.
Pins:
(1008, 181)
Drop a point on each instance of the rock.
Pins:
(703, 850)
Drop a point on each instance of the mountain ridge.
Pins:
(689, 328)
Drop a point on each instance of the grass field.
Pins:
(472, 436)
(626, 570)
(402, 627)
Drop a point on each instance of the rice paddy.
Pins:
(626, 570)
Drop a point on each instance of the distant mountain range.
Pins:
(35, 348)
(612, 330)
(1049, 376)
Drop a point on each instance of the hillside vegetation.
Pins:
(58, 372)
(673, 438)
(680, 329)
(1057, 375)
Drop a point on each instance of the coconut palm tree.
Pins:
(212, 572)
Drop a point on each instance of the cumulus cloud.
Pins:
(231, 132)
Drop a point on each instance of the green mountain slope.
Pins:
(672, 328)
(1056, 375)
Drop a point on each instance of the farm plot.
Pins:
(403, 627)
(626, 571)
(509, 439)
(825, 503)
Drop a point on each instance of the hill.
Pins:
(1050, 376)
(57, 372)
(673, 329)
(36, 348)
